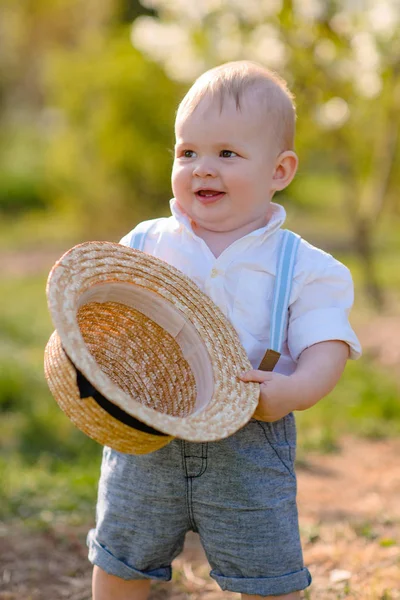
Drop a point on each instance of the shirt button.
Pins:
(214, 273)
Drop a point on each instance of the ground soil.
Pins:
(349, 504)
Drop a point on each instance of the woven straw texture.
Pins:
(137, 355)
(174, 369)
(86, 414)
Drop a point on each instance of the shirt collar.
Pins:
(276, 221)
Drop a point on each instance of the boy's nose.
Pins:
(204, 169)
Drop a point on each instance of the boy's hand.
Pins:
(277, 394)
(318, 370)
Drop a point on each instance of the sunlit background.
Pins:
(88, 93)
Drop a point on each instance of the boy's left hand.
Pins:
(277, 394)
(318, 370)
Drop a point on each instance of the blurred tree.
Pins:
(33, 29)
(341, 58)
(127, 11)
(109, 154)
(82, 131)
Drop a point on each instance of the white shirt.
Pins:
(240, 281)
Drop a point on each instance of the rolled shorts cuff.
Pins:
(265, 586)
(101, 557)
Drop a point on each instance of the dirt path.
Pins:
(24, 263)
(350, 523)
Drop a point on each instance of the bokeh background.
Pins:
(88, 93)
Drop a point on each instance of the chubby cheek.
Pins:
(251, 182)
(180, 180)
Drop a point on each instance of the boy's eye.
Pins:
(227, 153)
(188, 153)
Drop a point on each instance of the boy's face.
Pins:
(224, 166)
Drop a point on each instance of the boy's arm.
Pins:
(318, 370)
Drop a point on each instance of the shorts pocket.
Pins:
(281, 436)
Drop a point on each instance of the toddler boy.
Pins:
(234, 149)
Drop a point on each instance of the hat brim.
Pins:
(107, 272)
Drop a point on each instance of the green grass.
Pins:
(366, 402)
(48, 491)
(48, 468)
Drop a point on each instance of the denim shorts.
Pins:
(238, 494)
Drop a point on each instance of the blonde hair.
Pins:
(233, 80)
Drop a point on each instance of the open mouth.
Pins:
(209, 195)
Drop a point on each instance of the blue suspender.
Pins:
(138, 238)
(287, 251)
(282, 288)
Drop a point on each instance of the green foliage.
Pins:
(20, 194)
(22, 184)
(366, 402)
(110, 158)
(87, 122)
(15, 384)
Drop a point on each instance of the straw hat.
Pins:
(140, 355)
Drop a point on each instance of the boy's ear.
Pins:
(285, 170)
